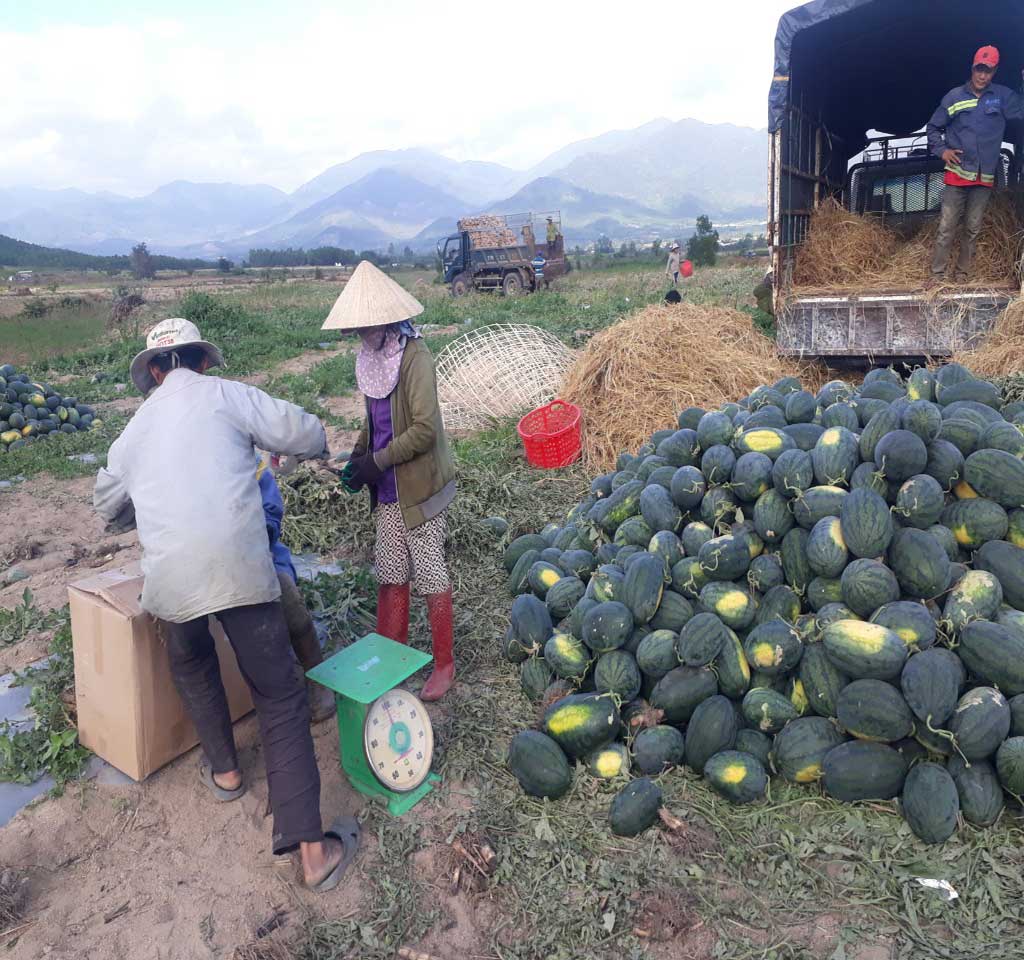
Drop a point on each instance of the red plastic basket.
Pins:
(551, 434)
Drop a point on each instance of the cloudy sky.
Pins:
(104, 95)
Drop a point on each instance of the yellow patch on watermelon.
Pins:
(866, 637)
(733, 773)
(830, 438)
(733, 603)
(964, 491)
(766, 655)
(907, 635)
(798, 697)
(836, 533)
(761, 441)
(962, 536)
(549, 578)
(808, 774)
(1016, 537)
(608, 764)
(568, 719)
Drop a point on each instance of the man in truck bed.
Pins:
(966, 131)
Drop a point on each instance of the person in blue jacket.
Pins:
(966, 132)
(300, 624)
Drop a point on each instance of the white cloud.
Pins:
(254, 98)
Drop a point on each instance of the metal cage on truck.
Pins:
(844, 68)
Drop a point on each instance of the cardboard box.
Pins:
(129, 712)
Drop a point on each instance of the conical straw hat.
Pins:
(371, 299)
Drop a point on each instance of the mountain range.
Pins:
(650, 181)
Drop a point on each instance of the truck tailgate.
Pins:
(898, 325)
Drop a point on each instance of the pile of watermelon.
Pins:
(31, 411)
(828, 588)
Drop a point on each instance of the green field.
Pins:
(799, 877)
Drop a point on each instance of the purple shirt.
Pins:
(380, 414)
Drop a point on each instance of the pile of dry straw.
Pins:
(848, 249)
(1001, 353)
(635, 377)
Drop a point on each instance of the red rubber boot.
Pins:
(393, 611)
(439, 610)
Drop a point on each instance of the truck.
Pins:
(507, 253)
(855, 83)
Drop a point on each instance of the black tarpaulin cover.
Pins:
(885, 64)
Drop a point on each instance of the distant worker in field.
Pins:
(186, 464)
(966, 132)
(402, 458)
(672, 267)
(552, 237)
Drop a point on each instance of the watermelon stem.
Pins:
(946, 735)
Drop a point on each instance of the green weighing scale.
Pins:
(385, 735)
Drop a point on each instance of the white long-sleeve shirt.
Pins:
(187, 463)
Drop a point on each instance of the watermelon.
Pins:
(617, 673)
(713, 429)
(779, 603)
(635, 808)
(732, 604)
(821, 680)
(1010, 765)
(997, 475)
(680, 449)
(921, 384)
(1004, 436)
(874, 710)
(900, 455)
(580, 723)
(656, 654)
(539, 764)
(607, 626)
(673, 612)
(725, 558)
(816, 503)
(976, 596)
(772, 516)
(531, 622)
(868, 585)
(867, 527)
(910, 621)
(945, 463)
(922, 418)
(919, 501)
(711, 729)
(827, 554)
(975, 521)
(563, 597)
(773, 647)
(930, 802)
(680, 691)
(770, 441)
(841, 415)
(643, 586)
(767, 710)
(519, 546)
(739, 777)
(864, 651)
(979, 790)
(655, 749)
(688, 487)
(994, 653)
(1007, 562)
(919, 562)
(694, 536)
(701, 639)
(863, 770)
(567, 657)
(731, 668)
(751, 476)
(980, 722)
(765, 572)
(800, 748)
(835, 456)
(792, 473)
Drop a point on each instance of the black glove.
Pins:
(365, 471)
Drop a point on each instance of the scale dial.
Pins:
(399, 740)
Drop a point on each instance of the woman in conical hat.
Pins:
(402, 458)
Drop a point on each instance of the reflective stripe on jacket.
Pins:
(976, 126)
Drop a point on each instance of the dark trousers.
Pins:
(966, 205)
(259, 637)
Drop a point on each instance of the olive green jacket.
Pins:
(424, 469)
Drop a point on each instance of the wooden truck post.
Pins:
(496, 252)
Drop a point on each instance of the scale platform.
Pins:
(395, 737)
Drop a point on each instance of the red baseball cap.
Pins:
(988, 56)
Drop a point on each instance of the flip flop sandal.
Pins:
(345, 829)
(220, 794)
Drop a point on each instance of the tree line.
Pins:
(314, 257)
(18, 253)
